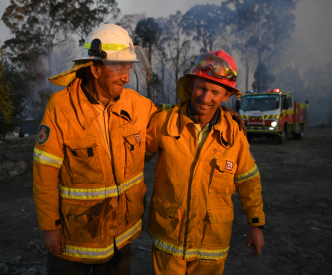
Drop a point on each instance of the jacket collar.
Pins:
(179, 119)
(123, 109)
(83, 101)
(85, 112)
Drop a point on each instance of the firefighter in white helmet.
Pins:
(89, 187)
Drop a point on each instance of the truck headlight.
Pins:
(274, 123)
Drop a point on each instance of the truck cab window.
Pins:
(290, 102)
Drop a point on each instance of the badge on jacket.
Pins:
(138, 137)
(229, 165)
(43, 134)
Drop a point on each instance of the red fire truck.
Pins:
(273, 114)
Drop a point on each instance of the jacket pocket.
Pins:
(135, 197)
(164, 219)
(134, 152)
(84, 224)
(223, 177)
(84, 161)
(218, 228)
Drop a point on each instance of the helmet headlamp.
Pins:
(96, 49)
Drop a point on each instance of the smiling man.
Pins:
(89, 158)
(203, 160)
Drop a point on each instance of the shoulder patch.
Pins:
(43, 135)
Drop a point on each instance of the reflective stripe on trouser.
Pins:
(209, 254)
(252, 173)
(100, 253)
(163, 264)
(47, 158)
(99, 193)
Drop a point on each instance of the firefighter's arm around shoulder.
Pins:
(248, 184)
(153, 134)
(48, 157)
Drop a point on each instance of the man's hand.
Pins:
(54, 241)
(256, 240)
(237, 118)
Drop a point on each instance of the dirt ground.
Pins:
(297, 194)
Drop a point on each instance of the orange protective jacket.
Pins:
(94, 193)
(191, 210)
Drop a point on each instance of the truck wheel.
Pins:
(301, 134)
(282, 138)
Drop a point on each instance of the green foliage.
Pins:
(12, 97)
(262, 78)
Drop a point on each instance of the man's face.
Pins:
(206, 96)
(112, 78)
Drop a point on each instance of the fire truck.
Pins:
(273, 114)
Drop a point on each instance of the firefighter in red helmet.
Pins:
(202, 160)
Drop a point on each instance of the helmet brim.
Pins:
(183, 89)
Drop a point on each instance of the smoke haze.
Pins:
(312, 41)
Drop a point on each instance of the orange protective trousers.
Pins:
(166, 264)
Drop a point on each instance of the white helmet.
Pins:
(112, 45)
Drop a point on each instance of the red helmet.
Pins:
(218, 66)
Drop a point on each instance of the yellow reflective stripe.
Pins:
(235, 73)
(47, 158)
(98, 193)
(252, 173)
(129, 233)
(87, 252)
(190, 253)
(207, 253)
(108, 47)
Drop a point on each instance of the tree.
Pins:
(262, 78)
(38, 26)
(267, 25)
(88, 14)
(147, 33)
(12, 96)
(262, 28)
(178, 44)
(129, 23)
(207, 24)
(317, 90)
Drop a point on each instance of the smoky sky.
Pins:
(313, 23)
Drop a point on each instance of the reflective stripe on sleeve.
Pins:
(190, 253)
(47, 158)
(252, 173)
(98, 193)
(129, 233)
(90, 253)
